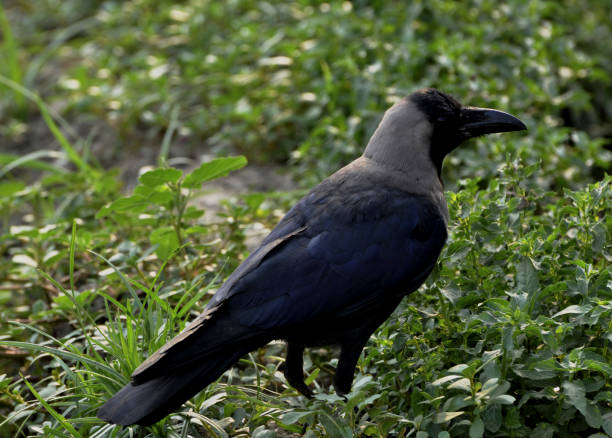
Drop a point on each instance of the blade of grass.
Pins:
(80, 311)
(123, 278)
(165, 146)
(185, 308)
(152, 295)
(59, 417)
(72, 250)
(105, 431)
(57, 133)
(212, 426)
(116, 339)
(30, 160)
(12, 56)
(83, 315)
(66, 355)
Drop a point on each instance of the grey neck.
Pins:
(401, 143)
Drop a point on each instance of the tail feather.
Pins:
(148, 402)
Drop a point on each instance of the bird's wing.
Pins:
(355, 248)
(288, 228)
(333, 253)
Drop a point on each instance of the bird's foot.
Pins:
(342, 386)
(302, 388)
(293, 371)
(296, 380)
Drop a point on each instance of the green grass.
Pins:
(509, 337)
(11, 53)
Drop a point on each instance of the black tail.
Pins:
(149, 402)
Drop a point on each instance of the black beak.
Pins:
(481, 121)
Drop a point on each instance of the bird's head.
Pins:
(424, 127)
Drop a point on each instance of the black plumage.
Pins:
(333, 269)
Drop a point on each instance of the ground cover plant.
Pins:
(101, 265)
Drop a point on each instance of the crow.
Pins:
(333, 269)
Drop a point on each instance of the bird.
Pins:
(332, 270)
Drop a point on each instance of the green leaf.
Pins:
(103, 212)
(599, 237)
(133, 204)
(605, 396)
(463, 384)
(311, 378)
(592, 415)
(197, 229)
(334, 426)
(254, 200)
(213, 169)
(158, 177)
(192, 212)
(576, 394)
(543, 430)
(477, 428)
(599, 366)
(294, 416)
(155, 195)
(452, 294)
(443, 417)
(503, 399)
(488, 387)
(526, 276)
(24, 259)
(492, 417)
(606, 422)
(458, 402)
(10, 188)
(262, 432)
(446, 379)
(574, 310)
(166, 240)
(161, 197)
(458, 369)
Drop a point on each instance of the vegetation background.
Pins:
(102, 261)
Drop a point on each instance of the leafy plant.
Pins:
(509, 337)
(163, 189)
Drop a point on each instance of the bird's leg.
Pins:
(345, 371)
(294, 368)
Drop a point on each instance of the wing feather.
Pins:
(335, 252)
